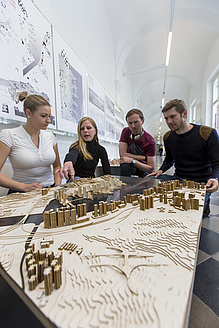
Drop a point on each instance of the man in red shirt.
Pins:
(137, 148)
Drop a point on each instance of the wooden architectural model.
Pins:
(127, 263)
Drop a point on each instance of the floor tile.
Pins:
(214, 208)
(201, 316)
(215, 196)
(202, 257)
(14, 313)
(216, 257)
(214, 201)
(209, 241)
(207, 282)
(211, 223)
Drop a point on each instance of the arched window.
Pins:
(192, 116)
(215, 104)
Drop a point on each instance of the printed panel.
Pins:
(96, 104)
(119, 123)
(110, 129)
(26, 57)
(70, 75)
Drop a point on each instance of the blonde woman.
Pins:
(84, 154)
(30, 149)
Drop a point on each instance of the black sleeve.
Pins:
(104, 161)
(213, 152)
(168, 161)
(71, 156)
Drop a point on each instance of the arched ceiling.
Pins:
(140, 31)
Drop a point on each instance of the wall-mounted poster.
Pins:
(119, 123)
(96, 104)
(26, 57)
(110, 129)
(70, 75)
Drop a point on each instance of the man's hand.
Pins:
(156, 174)
(125, 159)
(66, 171)
(212, 185)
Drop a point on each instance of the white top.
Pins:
(30, 164)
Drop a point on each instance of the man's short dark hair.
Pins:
(179, 104)
(135, 111)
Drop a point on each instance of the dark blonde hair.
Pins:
(80, 144)
(135, 111)
(179, 104)
(32, 102)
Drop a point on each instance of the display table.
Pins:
(128, 261)
(115, 170)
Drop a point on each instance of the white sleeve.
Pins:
(6, 137)
(54, 140)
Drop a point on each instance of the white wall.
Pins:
(90, 38)
(212, 67)
(203, 100)
(84, 25)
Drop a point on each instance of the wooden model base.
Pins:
(131, 266)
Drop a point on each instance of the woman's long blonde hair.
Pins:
(80, 144)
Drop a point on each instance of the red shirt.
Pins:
(146, 143)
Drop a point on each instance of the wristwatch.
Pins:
(134, 161)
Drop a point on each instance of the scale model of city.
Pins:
(127, 263)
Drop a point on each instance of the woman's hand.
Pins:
(31, 186)
(67, 171)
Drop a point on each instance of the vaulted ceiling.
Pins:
(140, 30)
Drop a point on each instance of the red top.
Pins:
(145, 145)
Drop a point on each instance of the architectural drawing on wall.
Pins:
(110, 118)
(96, 104)
(26, 57)
(119, 123)
(70, 75)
